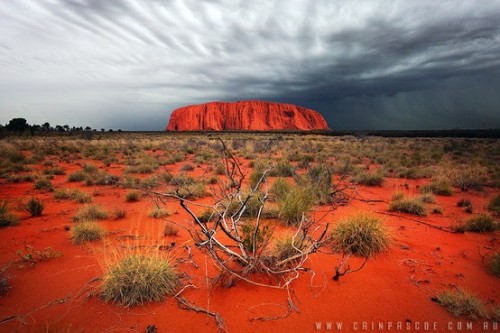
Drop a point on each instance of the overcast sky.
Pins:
(364, 64)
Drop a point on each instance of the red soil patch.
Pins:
(395, 286)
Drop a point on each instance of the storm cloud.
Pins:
(363, 64)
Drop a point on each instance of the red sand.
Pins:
(393, 287)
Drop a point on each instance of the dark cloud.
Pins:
(364, 64)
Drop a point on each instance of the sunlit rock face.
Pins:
(245, 115)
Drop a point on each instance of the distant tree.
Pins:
(66, 128)
(102, 129)
(17, 124)
(88, 128)
(110, 130)
(34, 128)
(59, 128)
(46, 127)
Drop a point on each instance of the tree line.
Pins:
(21, 125)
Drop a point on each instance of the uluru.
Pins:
(245, 115)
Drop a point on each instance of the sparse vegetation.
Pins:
(460, 303)
(479, 223)
(494, 264)
(34, 207)
(494, 204)
(90, 213)
(87, 231)
(7, 219)
(158, 212)
(137, 279)
(298, 201)
(369, 179)
(43, 185)
(360, 235)
(119, 213)
(133, 196)
(170, 230)
(401, 203)
(438, 187)
(288, 245)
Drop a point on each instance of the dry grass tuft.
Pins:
(361, 235)
(137, 279)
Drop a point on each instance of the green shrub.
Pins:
(90, 213)
(90, 168)
(136, 279)
(81, 197)
(494, 204)
(158, 212)
(7, 219)
(76, 195)
(249, 236)
(34, 207)
(428, 198)
(119, 213)
(480, 223)
(437, 210)
(297, 202)
(464, 203)
(287, 245)
(87, 231)
(170, 230)
(206, 216)
(360, 235)
(101, 178)
(63, 194)
(438, 187)
(280, 188)
(256, 175)
(43, 185)
(77, 176)
(495, 264)
(133, 196)
(469, 176)
(282, 169)
(319, 181)
(4, 283)
(407, 205)
(187, 167)
(460, 303)
(369, 179)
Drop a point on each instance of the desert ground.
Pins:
(278, 233)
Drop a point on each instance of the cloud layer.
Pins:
(364, 64)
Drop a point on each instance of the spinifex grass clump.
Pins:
(360, 235)
(298, 201)
(280, 188)
(494, 204)
(43, 185)
(76, 195)
(90, 213)
(87, 231)
(137, 279)
(369, 179)
(401, 203)
(438, 187)
(288, 245)
(494, 264)
(480, 223)
(34, 207)
(460, 303)
(7, 219)
(158, 212)
(133, 196)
